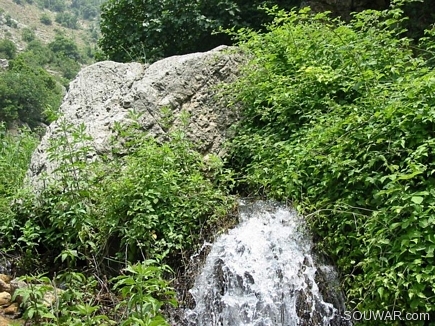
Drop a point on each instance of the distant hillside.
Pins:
(77, 19)
(43, 44)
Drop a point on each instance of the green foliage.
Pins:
(28, 35)
(63, 46)
(149, 30)
(143, 293)
(87, 9)
(46, 19)
(8, 49)
(165, 195)
(15, 153)
(25, 91)
(67, 20)
(10, 22)
(339, 119)
(156, 200)
(53, 5)
(38, 54)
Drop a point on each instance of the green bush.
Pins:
(25, 91)
(10, 22)
(8, 49)
(53, 5)
(141, 289)
(63, 46)
(67, 20)
(38, 54)
(157, 200)
(15, 153)
(45, 19)
(28, 35)
(339, 119)
(165, 195)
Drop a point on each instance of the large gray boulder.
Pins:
(104, 93)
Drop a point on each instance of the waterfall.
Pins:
(263, 273)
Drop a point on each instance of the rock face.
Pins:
(105, 93)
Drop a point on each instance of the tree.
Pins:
(25, 92)
(67, 20)
(65, 46)
(147, 30)
(8, 49)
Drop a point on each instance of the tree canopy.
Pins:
(138, 30)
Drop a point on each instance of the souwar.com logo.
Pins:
(394, 315)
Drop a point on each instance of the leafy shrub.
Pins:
(66, 66)
(25, 91)
(45, 19)
(142, 289)
(64, 46)
(157, 200)
(10, 22)
(38, 54)
(53, 5)
(67, 20)
(339, 118)
(8, 49)
(27, 35)
(165, 195)
(15, 154)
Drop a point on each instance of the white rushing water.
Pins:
(263, 273)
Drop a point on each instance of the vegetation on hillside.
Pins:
(339, 118)
(28, 93)
(84, 9)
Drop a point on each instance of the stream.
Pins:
(263, 273)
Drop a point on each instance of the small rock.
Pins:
(50, 297)
(4, 64)
(12, 309)
(5, 278)
(5, 298)
(4, 321)
(4, 287)
(17, 284)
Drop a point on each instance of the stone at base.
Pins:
(12, 309)
(5, 298)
